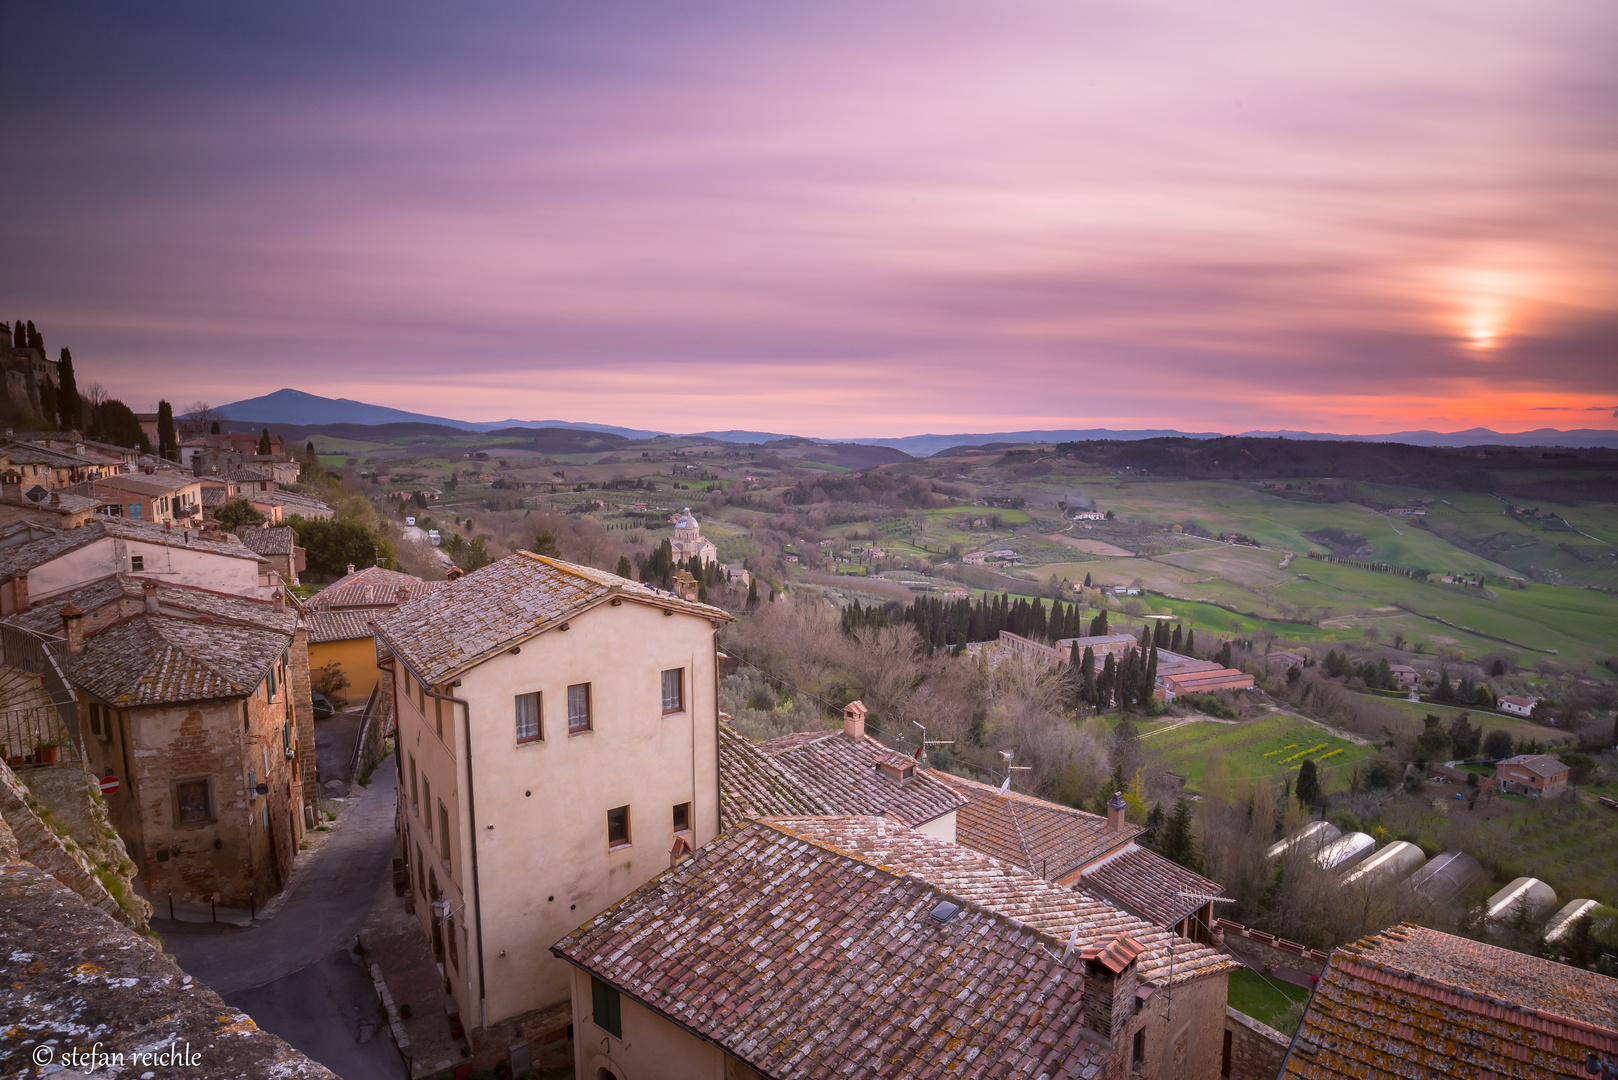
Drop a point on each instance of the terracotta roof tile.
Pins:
(162, 659)
(45, 618)
(839, 775)
(274, 541)
(1415, 1003)
(370, 587)
(1146, 884)
(473, 617)
(346, 625)
(1043, 837)
(789, 943)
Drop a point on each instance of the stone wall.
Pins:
(303, 705)
(78, 810)
(1254, 1051)
(60, 857)
(1267, 950)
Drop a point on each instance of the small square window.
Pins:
(682, 817)
(673, 690)
(528, 718)
(618, 827)
(137, 563)
(192, 806)
(606, 1009)
(578, 708)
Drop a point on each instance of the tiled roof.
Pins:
(277, 541)
(46, 617)
(368, 588)
(1415, 1003)
(1043, 837)
(1538, 764)
(141, 483)
(247, 475)
(840, 776)
(66, 503)
(346, 625)
(24, 557)
(491, 609)
(1146, 884)
(213, 496)
(32, 454)
(163, 659)
(805, 948)
(751, 784)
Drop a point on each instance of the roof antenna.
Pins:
(925, 742)
(1005, 786)
(1168, 1005)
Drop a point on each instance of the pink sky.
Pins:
(842, 220)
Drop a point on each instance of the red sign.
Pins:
(109, 784)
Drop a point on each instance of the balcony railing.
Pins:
(35, 736)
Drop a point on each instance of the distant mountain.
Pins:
(294, 407)
(309, 410)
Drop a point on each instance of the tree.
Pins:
(237, 514)
(1224, 655)
(1464, 736)
(1190, 642)
(114, 422)
(1098, 625)
(1433, 744)
(67, 393)
(752, 594)
(197, 417)
(168, 447)
(1154, 825)
(626, 569)
(1178, 841)
(213, 429)
(1087, 581)
(332, 545)
(1308, 786)
(545, 544)
(1445, 691)
(264, 443)
(329, 680)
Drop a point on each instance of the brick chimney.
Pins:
(280, 601)
(1110, 979)
(403, 595)
(854, 719)
(350, 568)
(680, 852)
(148, 591)
(56, 498)
(72, 629)
(1115, 812)
(19, 590)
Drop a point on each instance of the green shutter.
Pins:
(605, 1008)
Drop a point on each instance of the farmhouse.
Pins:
(1531, 774)
(1404, 676)
(1517, 706)
(1176, 684)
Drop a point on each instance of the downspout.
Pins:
(718, 780)
(472, 823)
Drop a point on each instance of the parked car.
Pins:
(323, 708)
(432, 537)
(410, 521)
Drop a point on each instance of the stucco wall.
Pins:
(357, 657)
(651, 1047)
(544, 863)
(195, 567)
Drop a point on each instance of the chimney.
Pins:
(403, 595)
(854, 719)
(72, 629)
(19, 589)
(685, 586)
(280, 601)
(350, 568)
(148, 590)
(680, 852)
(1115, 812)
(1110, 979)
(453, 572)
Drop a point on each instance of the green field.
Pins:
(1275, 746)
(1488, 721)
(1266, 1000)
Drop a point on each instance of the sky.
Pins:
(879, 218)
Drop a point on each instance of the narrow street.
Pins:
(293, 972)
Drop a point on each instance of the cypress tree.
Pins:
(167, 445)
(1224, 655)
(626, 569)
(67, 393)
(19, 337)
(35, 340)
(264, 443)
(213, 429)
(1190, 642)
(1160, 640)
(1087, 675)
(1106, 682)
(1308, 786)
(1174, 642)
(1086, 581)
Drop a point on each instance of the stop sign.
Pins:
(109, 784)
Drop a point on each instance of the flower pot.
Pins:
(44, 755)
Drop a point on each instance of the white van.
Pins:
(410, 522)
(432, 537)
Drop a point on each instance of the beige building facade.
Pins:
(557, 738)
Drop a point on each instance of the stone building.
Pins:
(557, 738)
(339, 618)
(855, 946)
(188, 697)
(688, 542)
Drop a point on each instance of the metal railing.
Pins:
(35, 736)
(26, 651)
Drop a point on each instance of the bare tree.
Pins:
(93, 394)
(197, 419)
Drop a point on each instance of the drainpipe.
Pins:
(718, 780)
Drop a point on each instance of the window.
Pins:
(1224, 1061)
(673, 690)
(137, 563)
(438, 714)
(421, 871)
(269, 685)
(427, 800)
(618, 827)
(443, 832)
(578, 708)
(605, 1008)
(528, 718)
(413, 803)
(286, 741)
(1139, 1058)
(192, 805)
(682, 817)
(449, 938)
(98, 719)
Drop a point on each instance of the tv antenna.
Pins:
(926, 742)
(1005, 786)
(1168, 1008)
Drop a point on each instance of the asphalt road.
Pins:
(289, 973)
